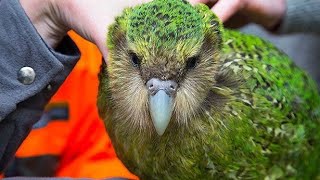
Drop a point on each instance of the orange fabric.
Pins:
(81, 141)
(49, 143)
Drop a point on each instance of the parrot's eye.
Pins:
(192, 62)
(135, 59)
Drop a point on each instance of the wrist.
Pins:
(45, 18)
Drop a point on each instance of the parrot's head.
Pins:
(163, 57)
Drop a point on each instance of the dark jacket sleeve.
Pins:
(301, 16)
(21, 104)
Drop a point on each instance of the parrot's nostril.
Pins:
(150, 84)
(173, 86)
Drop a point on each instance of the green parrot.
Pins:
(184, 98)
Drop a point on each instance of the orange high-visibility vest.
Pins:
(70, 140)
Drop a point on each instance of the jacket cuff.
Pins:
(22, 46)
(301, 16)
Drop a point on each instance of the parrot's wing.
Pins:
(273, 106)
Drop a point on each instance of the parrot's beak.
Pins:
(161, 95)
(161, 106)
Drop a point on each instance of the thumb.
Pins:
(193, 2)
(225, 9)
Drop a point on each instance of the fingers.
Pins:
(224, 9)
(193, 2)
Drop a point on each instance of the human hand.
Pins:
(90, 19)
(236, 13)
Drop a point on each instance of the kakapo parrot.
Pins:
(184, 98)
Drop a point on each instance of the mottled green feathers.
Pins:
(164, 20)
